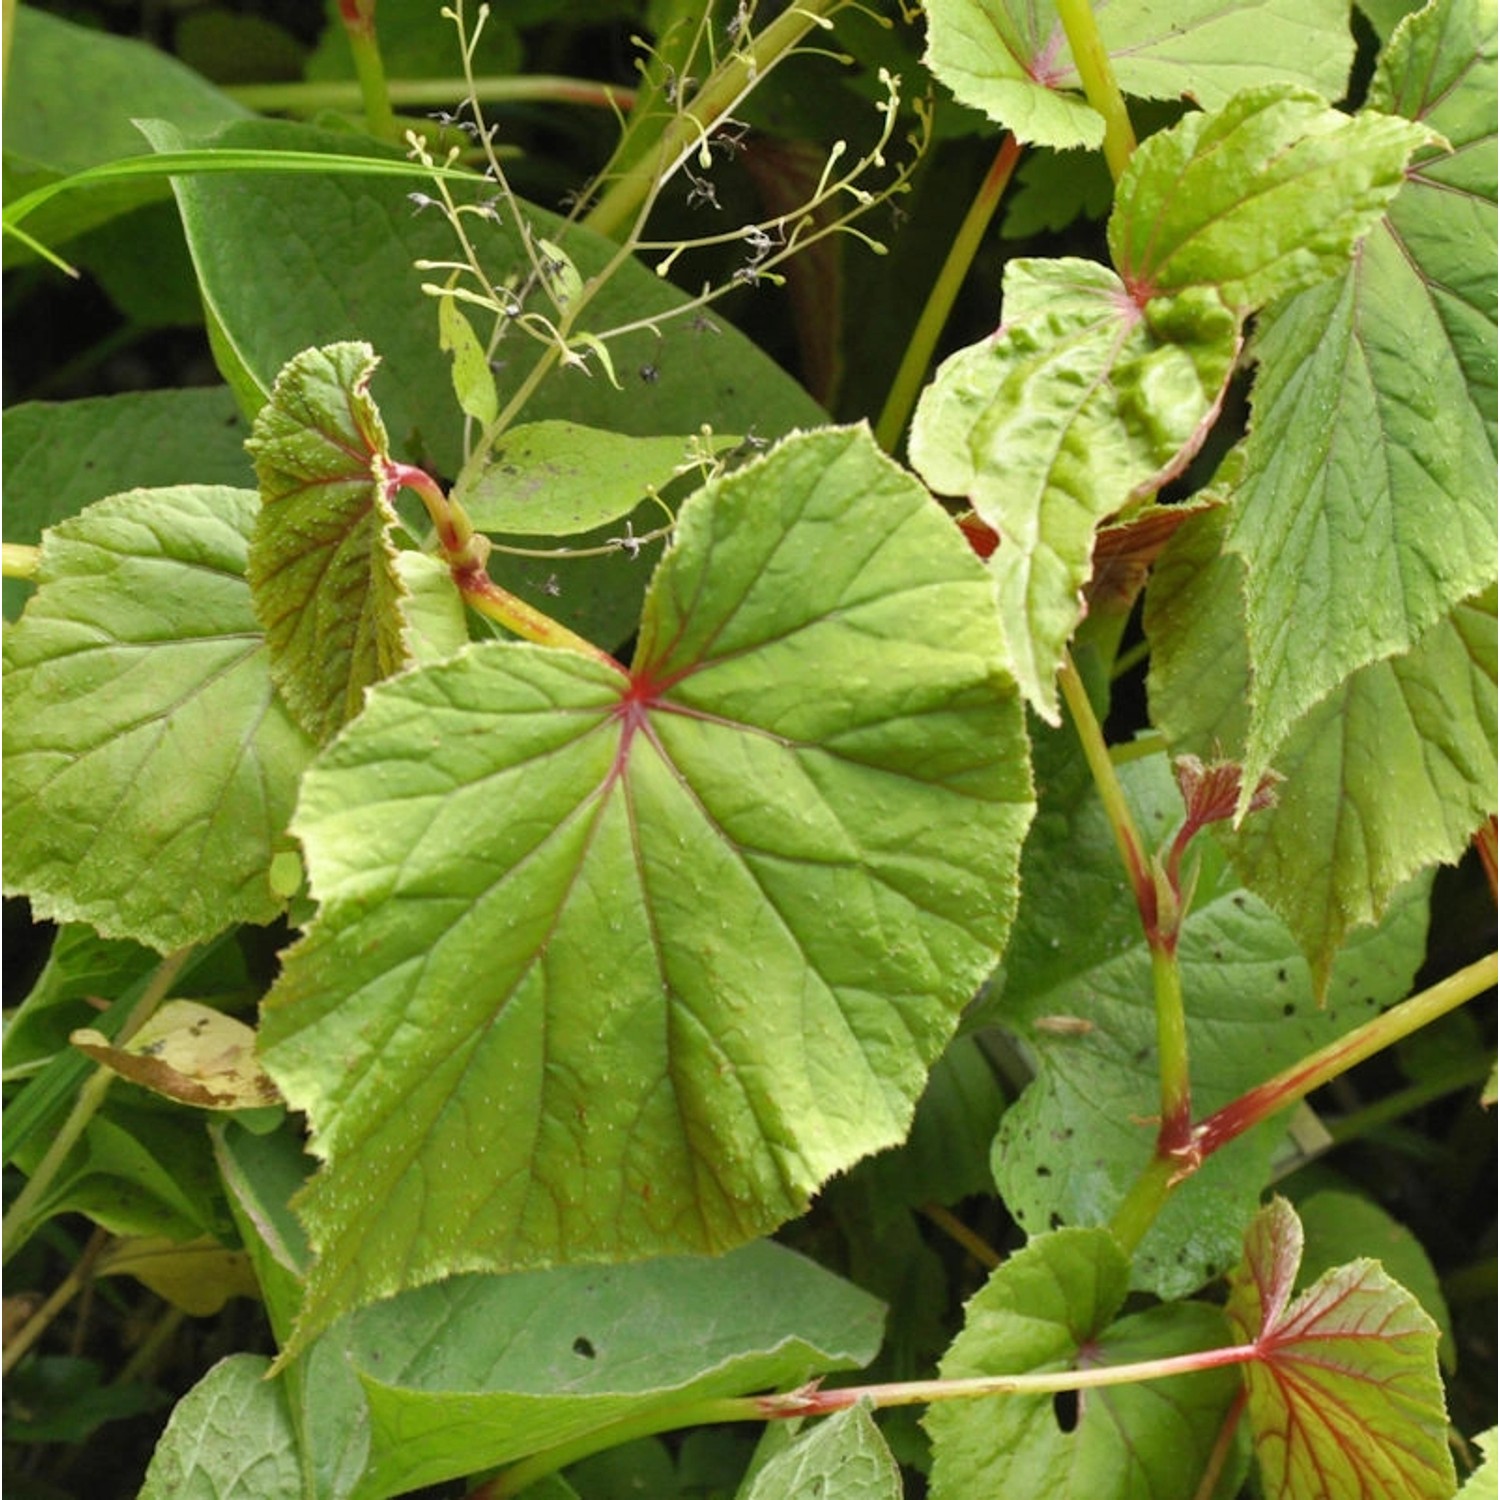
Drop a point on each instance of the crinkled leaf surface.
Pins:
(1051, 1307)
(483, 1370)
(1345, 1397)
(230, 1438)
(61, 455)
(561, 478)
(1391, 773)
(844, 1458)
(617, 964)
(1071, 1146)
(149, 767)
(1080, 402)
(1012, 60)
(1367, 511)
(323, 574)
(1261, 198)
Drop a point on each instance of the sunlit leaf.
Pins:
(1081, 402)
(149, 767)
(1345, 1398)
(514, 930)
(1371, 455)
(1012, 60)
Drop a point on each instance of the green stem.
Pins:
(1111, 793)
(1099, 86)
(21, 1218)
(1147, 1197)
(358, 17)
(18, 560)
(902, 396)
(725, 87)
(1393, 1106)
(1175, 1133)
(431, 93)
(812, 1401)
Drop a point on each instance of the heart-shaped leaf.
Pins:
(521, 1028)
(1052, 1307)
(1345, 1396)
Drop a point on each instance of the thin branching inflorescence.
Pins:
(545, 302)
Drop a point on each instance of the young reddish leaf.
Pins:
(521, 1028)
(1345, 1398)
(323, 574)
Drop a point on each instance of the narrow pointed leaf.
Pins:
(1345, 1398)
(1386, 776)
(1011, 60)
(150, 769)
(516, 966)
(323, 569)
(1052, 1307)
(1372, 451)
(1080, 403)
(1264, 197)
(1077, 989)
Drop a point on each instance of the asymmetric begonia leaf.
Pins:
(1345, 1398)
(323, 573)
(1012, 60)
(1262, 198)
(485, 1370)
(843, 1458)
(1078, 991)
(522, 1032)
(1081, 402)
(1372, 450)
(561, 478)
(1386, 776)
(1051, 1307)
(149, 767)
(232, 1437)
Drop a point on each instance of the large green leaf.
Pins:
(487, 1370)
(1081, 402)
(1012, 61)
(1261, 198)
(297, 261)
(484, 1370)
(1388, 775)
(323, 572)
(61, 455)
(1052, 1307)
(1367, 512)
(1078, 991)
(149, 768)
(51, 132)
(685, 939)
(1345, 1396)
